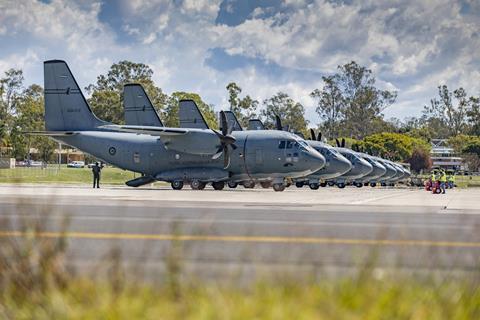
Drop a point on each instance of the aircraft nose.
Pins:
(380, 169)
(315, 160)
(364, 167)
(342, 164)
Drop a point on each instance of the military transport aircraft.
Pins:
(136, 101)
(161, 153)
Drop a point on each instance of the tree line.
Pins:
(349, 105)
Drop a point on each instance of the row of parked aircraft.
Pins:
(198, 155)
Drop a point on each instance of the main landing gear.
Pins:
(197, 185)
(177, 185)
(278, 187)
(219, 185)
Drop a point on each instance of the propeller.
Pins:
(312, 134)
(226, 139)
(338, 142)
(278, 123)
(319, 137)
(343, 142)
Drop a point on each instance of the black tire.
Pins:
(438, 190)
(278, 187)
(314, 186)
(330, 183)
(249, 185)
(218, 185)
(197, 185)
(232, 184)
(323, 184)
(358, 184)
(383, 184)
(299, 184)
(265, 184)
(341, 185)
(373, 184)
(177, 184)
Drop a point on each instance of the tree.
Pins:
(107, 93)
(291, 113)
(398, 147)
(363, 102)
(461, 141)
(330, 106)
(10, 88)
(243, 108)
(170, 113)
(446, 117)
(420, 160)
(473, 114)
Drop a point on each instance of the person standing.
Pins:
(451, 180)
(443, 181)
(96, 170)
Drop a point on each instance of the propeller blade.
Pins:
(338, 142)
(343, 142)
(278, 123)
(223, 119)
(312, 134)
(218, 154)
(226, 158)
(234, 147)
(319, 136)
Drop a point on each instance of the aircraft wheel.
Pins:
(358, 184)
(314, 186)
(341, 185)
(288, 184)
(197, 185)
(177, 185)
(232, 184)
(299, 184)
(278, 187)
(330, 183)
(373, 184)
(323, 184)
(266, 184)
(383, 184)
(219, 185)
(249, 184)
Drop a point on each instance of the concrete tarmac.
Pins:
(250, 233)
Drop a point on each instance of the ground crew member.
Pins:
(443, 181)
(451, 180)
(432, 177)
(96, 169)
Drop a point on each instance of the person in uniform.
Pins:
(96, 169)
(451, 180)
(443, 180)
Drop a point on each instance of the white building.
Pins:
(443, 156)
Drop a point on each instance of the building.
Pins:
(443, 156)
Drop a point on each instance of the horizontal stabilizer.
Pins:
(140, 181)
(51, 133)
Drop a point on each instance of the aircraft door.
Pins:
(254, 156)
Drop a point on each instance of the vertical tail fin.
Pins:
(255, 124)
(190, 116)
(233, 121)
(65, 105)
(139, 110)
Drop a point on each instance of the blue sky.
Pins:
(265, 46)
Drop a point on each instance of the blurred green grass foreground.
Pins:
(36, 283)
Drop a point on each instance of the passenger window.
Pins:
(289, 144)
(281, 145)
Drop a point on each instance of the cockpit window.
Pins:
(289, 144)
(281, 144)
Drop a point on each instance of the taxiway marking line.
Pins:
(255, 239)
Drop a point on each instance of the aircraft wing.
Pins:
(150, 130)
(51, 133)
(193, 141)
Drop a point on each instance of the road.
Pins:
(250, 233)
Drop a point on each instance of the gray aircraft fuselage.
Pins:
(257, 155)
